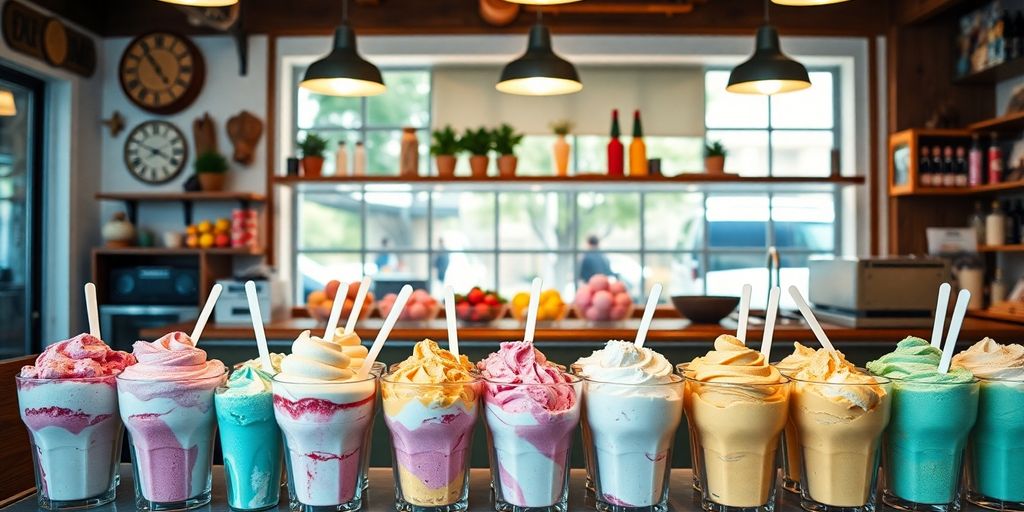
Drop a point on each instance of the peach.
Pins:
(332, 288)
(315, 298)
(583, 296)
(623, 300)
(599, 282)
(618, 313)
(415, 311)
(617, 287)
(603, 300)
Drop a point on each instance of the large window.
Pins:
(694, 241)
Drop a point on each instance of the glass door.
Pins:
(21, 116)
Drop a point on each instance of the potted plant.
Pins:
(477, 143)
(714, 157)
(211, 169)
(445, 148)
(505, 139)
(312, 149)
(561, 147)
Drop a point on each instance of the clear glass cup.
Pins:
(250, 441)
(588, 465)
(925, 443)
(839, 445)
(681, 369)
(325, 426)
(75, 432)
(632, 430)
(171, 425)
(431, 436)
(737, 429)
(995, 470)
(377, 368)
(529, 447)
(792, 466)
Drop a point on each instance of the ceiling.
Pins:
(300, 17)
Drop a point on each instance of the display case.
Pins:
(905, 150)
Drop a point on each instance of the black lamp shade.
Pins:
(539, 72)
(343, 72)
(542, 2)
(768, 71)
(805, 3)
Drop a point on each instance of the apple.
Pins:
(599, 282)
(617, 287)
(603, 300)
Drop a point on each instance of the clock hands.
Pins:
(156, 67)
(154, 151)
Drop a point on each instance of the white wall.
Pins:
(224, 94)
(71, 177)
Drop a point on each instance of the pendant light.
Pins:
(805, 3)
(343, 72)
(768, 71)
(7, 107)
(202, 3)
(539, 71)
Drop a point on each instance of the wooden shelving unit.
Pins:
(1007, 123)
(182, 196)
(990, 76)
(964, 191)
(183, 251)
(1001, 248)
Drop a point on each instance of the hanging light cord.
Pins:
(766, 17)
(344, 11)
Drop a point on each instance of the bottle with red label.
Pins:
(995, 161)
(616, 151)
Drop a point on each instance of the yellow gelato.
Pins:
(430, 364)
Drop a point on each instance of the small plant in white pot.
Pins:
(505, 141)
(714, 157)
(445, 149)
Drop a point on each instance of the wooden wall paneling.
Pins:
(875, 176)
(16, 474)
(910, 216)
(920, 77)
(914, 11)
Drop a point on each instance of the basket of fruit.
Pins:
(320, 302)
(603, 300)
(479, 306)
(420, 308)
(551, 308)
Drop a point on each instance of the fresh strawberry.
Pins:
(476, 296)
(491, 300)
(481, 312)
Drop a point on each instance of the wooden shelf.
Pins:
(590, 180)
(964, 191)
(1001, 248)
(181, 196)
(183, 251)
(996, 315)
(997, 73)
(1007, 123)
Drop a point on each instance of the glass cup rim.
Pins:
(1018, 380)
(897, 380)
(385, 377)
(676, 379)
(366, 378)
(41, 380)
(573, 380)
(220, 375)
(883, 381)
(757, 385)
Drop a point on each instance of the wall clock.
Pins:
(162, 72)
(155, 152)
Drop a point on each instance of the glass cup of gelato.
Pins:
(75, 433)
(925, 443)
(588, 465)
(736, 429)
(530, 427)
(632, 430)
(431, 428)
(250, 439)
(376, 369)
(171, 426)
(995, 469)
(839, 420)
(68, 402)
(325, 425)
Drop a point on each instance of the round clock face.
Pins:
(161, 72)
(155, 152)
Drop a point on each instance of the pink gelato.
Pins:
(518, 362)
(172, 357)
(79, 357)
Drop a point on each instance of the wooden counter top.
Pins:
(662, 330)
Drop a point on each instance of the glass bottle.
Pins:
(977, 221)
(995, 226)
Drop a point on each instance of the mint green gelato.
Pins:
(250, 439)
(932, 415)
(916, 360)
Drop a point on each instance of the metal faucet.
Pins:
(774, 270)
